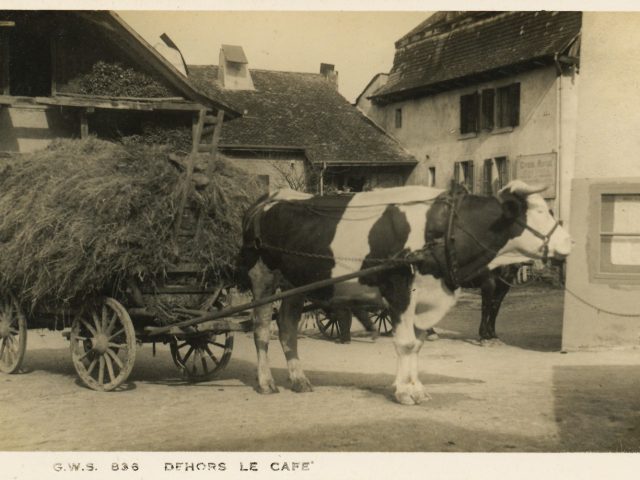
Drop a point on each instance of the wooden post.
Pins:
(4, 62)
(84, 124)
(54, 58)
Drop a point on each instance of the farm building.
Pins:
(603, 276)
(481, 97)
(71, 74)
(297, 128)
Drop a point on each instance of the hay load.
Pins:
(81, 216)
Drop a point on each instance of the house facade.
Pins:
(483, 97)
(601, 308)
(297, 130)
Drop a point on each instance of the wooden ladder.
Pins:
(207, 125)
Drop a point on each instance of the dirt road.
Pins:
(521, 396)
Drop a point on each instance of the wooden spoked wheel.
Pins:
(103, 345)
(327, 325)
(381, 321)
(13, 334)
(202, 356)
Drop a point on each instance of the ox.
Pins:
(434, 239)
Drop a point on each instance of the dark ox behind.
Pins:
(292, 239)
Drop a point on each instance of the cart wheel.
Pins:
(13, 335)
(382, 321)
(327, 325)
(103, 345)
(201, 357)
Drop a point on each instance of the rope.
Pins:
(595, 307)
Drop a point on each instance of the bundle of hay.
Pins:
(81, 216)
(116, 80)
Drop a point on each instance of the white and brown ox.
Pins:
(438, 239)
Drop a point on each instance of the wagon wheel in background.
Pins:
(203, 355)
(381, 321)
(327, 325)
(13, 334)
(103, 345)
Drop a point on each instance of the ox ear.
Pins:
(512, 206)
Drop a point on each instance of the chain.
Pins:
(400, 261)
(595, 307)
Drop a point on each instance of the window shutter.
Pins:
(469, 113)
(470, 180)
(486, 177)
(514, 104)
(474, 119)
(488, 100)
(456, 172)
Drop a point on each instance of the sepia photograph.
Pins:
(258, 236)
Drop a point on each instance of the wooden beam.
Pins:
(65, 101)
(7, 23)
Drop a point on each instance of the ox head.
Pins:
(537, 234)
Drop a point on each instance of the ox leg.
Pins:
(429, 303)
(408, 387)
(487, 289)
(500, 292)
(263, 285)
(290, 312)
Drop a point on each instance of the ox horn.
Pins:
(518, 187)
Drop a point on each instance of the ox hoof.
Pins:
(412, 396)
(301, 385)
(268, 388)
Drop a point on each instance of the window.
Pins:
(487, 109)
(432, 176)
(487, 175)
(615, 254)
(398, 118)
(469, 113)
(463, 174)
(620, 233)
(508, 106)
(4, 57)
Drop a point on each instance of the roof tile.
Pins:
(500, 40)
(301, 110)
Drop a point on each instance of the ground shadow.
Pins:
(530, 318)
(597, 408)
(384, 435)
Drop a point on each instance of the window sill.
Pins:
(500, 131)
(467, 136)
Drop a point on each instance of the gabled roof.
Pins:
(116, 26)
(453, 46)
(301, 110)
(371, 82)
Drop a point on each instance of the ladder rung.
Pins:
(205, 147)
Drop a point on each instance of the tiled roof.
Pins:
(302, 110)
(484, 43)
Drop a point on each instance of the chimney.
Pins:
(328, 72)
(233, 69)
